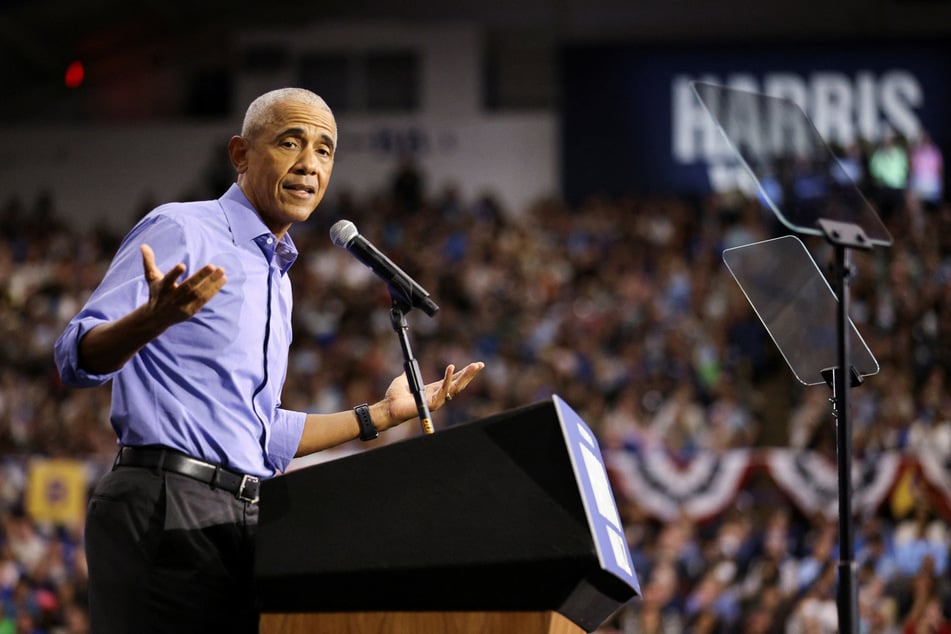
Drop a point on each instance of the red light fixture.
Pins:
(75, 73)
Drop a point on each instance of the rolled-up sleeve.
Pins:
(122, 289)
(66, 354)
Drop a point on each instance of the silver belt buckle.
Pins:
(245, 480)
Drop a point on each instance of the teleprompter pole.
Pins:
(842, 378)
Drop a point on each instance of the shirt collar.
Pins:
(246, 226)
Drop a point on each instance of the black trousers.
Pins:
(167, 553)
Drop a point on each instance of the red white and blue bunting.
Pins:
(667, 489)
(708, 483)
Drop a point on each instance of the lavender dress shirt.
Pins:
(209, 386)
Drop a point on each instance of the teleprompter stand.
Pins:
(799, 178)
(821, 345)
(506, 524)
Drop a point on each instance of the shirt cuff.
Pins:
(67, 355)
(286, 432)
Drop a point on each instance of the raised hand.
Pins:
(171, 301)
(401, 406)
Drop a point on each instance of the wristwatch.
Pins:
(368, 430)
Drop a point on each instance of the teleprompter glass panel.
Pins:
(797, 306)
(797, 174)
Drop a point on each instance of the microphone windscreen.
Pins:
(342, 232)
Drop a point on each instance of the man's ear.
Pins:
(238, 151)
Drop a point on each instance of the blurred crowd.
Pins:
(621, 306)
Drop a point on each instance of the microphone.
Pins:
(344, 234)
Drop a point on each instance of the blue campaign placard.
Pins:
(631, 123)
(597, 497)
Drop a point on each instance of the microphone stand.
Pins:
(410, 365)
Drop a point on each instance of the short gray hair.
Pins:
(261, 111)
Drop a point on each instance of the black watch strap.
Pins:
(368, 430)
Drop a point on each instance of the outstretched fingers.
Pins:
(446, 389)
(179, 301)
(195, 291)
(455, 382)
(154, 275)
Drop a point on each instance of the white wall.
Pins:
(103, 174)
(106, 173)
(512, 157)
(450, 56)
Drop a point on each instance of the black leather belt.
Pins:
(243, 487)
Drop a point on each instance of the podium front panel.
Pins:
(484, 516)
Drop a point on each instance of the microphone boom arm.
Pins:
(405, 293)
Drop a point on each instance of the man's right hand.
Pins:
(170, 301)
(109, 346)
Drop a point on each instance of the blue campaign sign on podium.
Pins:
(596, 495)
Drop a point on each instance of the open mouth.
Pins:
(301, 189)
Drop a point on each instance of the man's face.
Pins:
(285, 168)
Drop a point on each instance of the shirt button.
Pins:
(270, 240)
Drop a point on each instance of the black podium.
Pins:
(505, 524)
